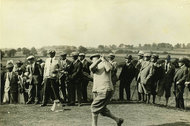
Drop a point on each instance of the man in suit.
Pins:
(75, 75)
(126, 76)
(51, 79)
(114, 77)
(64, 65)
(34, 72)
(138, 67)
(156, 76)
(144, 77)
(179, 82)
(11, 85)
(85, 77)
(165, 83)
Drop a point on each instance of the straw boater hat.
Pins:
(30, 57)
(94, 55)
(81, 54)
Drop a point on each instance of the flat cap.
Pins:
(39, 60)
(30, 57)
(147, 55)
(94, 55)
(141, 53)
(81, 54)
(74, 54)
(155, 56)
(19, 62)
(128, 57)
(111, 55)
(184, 60)
(9, 65)
(51, 51)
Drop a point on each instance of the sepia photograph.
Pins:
(95, 63)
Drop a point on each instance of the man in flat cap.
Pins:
(138, 67)
(144, 77)
(64, 65)
(179, 82)
(75, 75)
(126, 76)
(102, 89)
(11, 85)
(50, 79)
(34, 72)
(86, 76)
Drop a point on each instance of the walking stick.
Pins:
(186, 98)
(134, 92)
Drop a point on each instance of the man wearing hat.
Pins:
(138, 67)
(179, 82)
(11, 85)
(167, 72)
(50, 79)
(154, 77)
(75, 75)
(19, 64)
(35, 73)
(126, 76)
(86, 76)
(144, 77)
(64, 64)
(114, 77)
(102, 89)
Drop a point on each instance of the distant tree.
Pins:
(2, 54)
(25, 51)
(82, 49)
(33, 51)
(183, 46)
(101, 47)
(147, 46)
(68, 50)
(178, 45)
(121, 45)
(11, 53)
(44, 52)
(113, 46)
(188, 45)
(19, 50)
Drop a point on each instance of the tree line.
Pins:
(121, 48)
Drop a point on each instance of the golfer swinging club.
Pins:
(102, 89)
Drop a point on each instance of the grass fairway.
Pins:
(134, 114)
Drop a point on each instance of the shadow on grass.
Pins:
(173, 124)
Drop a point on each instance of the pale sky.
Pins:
(27, 23)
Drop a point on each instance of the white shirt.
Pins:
(50, 67)
(102, 79)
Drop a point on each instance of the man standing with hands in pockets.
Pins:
(102, 89)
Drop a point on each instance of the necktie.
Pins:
(51, 60)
